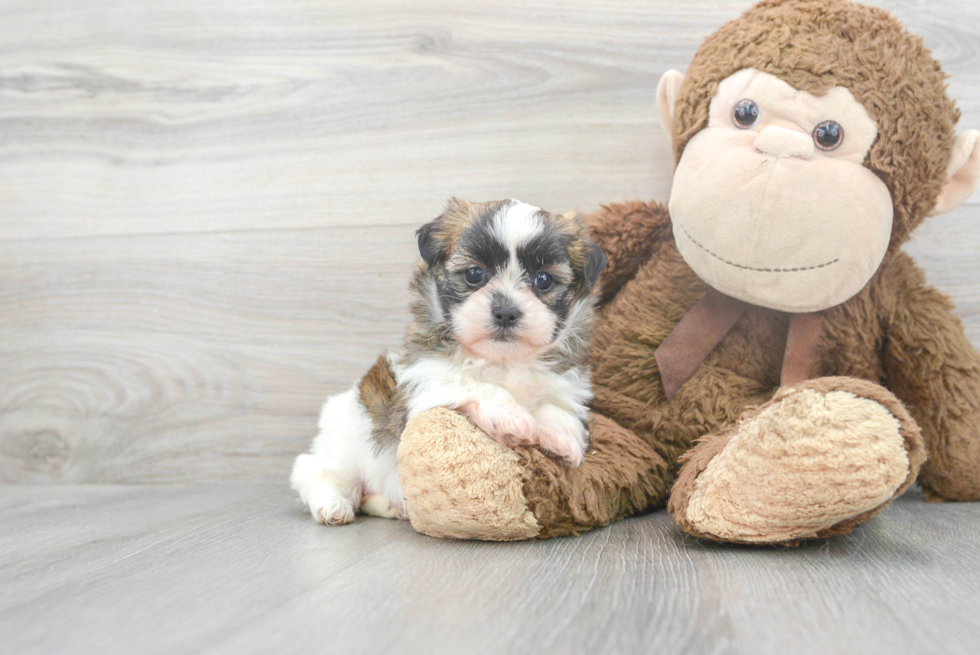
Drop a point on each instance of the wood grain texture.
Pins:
(187, 357)
(121, 117)
(206, 208)
(242, 568)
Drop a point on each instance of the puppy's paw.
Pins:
(504, 421)
(562, 446)
(329, 506)
(381, 505)
(561, 434)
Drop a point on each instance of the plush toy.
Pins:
(767, 358)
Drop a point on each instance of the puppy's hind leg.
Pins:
(329, 479)
(383, 495)
(379, 505)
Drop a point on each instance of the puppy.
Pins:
(503, 304)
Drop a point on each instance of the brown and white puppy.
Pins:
(503, 304)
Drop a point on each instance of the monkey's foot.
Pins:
(816, 460)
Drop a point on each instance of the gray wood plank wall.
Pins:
(206, 208)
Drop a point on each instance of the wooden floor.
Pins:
(206, 226)
(239, 568)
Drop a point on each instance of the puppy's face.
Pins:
(507, 275)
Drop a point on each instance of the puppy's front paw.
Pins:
(504, 421)
(561, 434)
(561, 445)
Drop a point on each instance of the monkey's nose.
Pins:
(505, 317)
(784, 142)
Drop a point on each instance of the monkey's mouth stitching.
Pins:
(750, 268)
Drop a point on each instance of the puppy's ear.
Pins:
(429, 246)
(595, 264)
(459, 204)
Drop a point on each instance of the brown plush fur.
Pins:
(916, 348)
(617, 480)
(897, 331)
(895, 342)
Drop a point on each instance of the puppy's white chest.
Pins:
(529, 387)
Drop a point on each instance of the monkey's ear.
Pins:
(963, 173)
(595, 264)
(429, 246)
(668, 89)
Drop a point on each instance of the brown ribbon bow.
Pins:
(707, 323)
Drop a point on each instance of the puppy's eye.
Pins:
(745, 114)
(543, 281)
(474, 276)
(828, 135)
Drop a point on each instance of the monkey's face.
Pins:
(771, 203)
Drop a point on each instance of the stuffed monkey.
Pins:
(768, 363)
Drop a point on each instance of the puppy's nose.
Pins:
(505, 316)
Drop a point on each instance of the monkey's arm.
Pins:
(935, 370)
(627, 234)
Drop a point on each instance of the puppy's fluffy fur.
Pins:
(503, 304)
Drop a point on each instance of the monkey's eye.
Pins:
(544, 281)
(474, 276)
(828, 135)
(745, 114)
